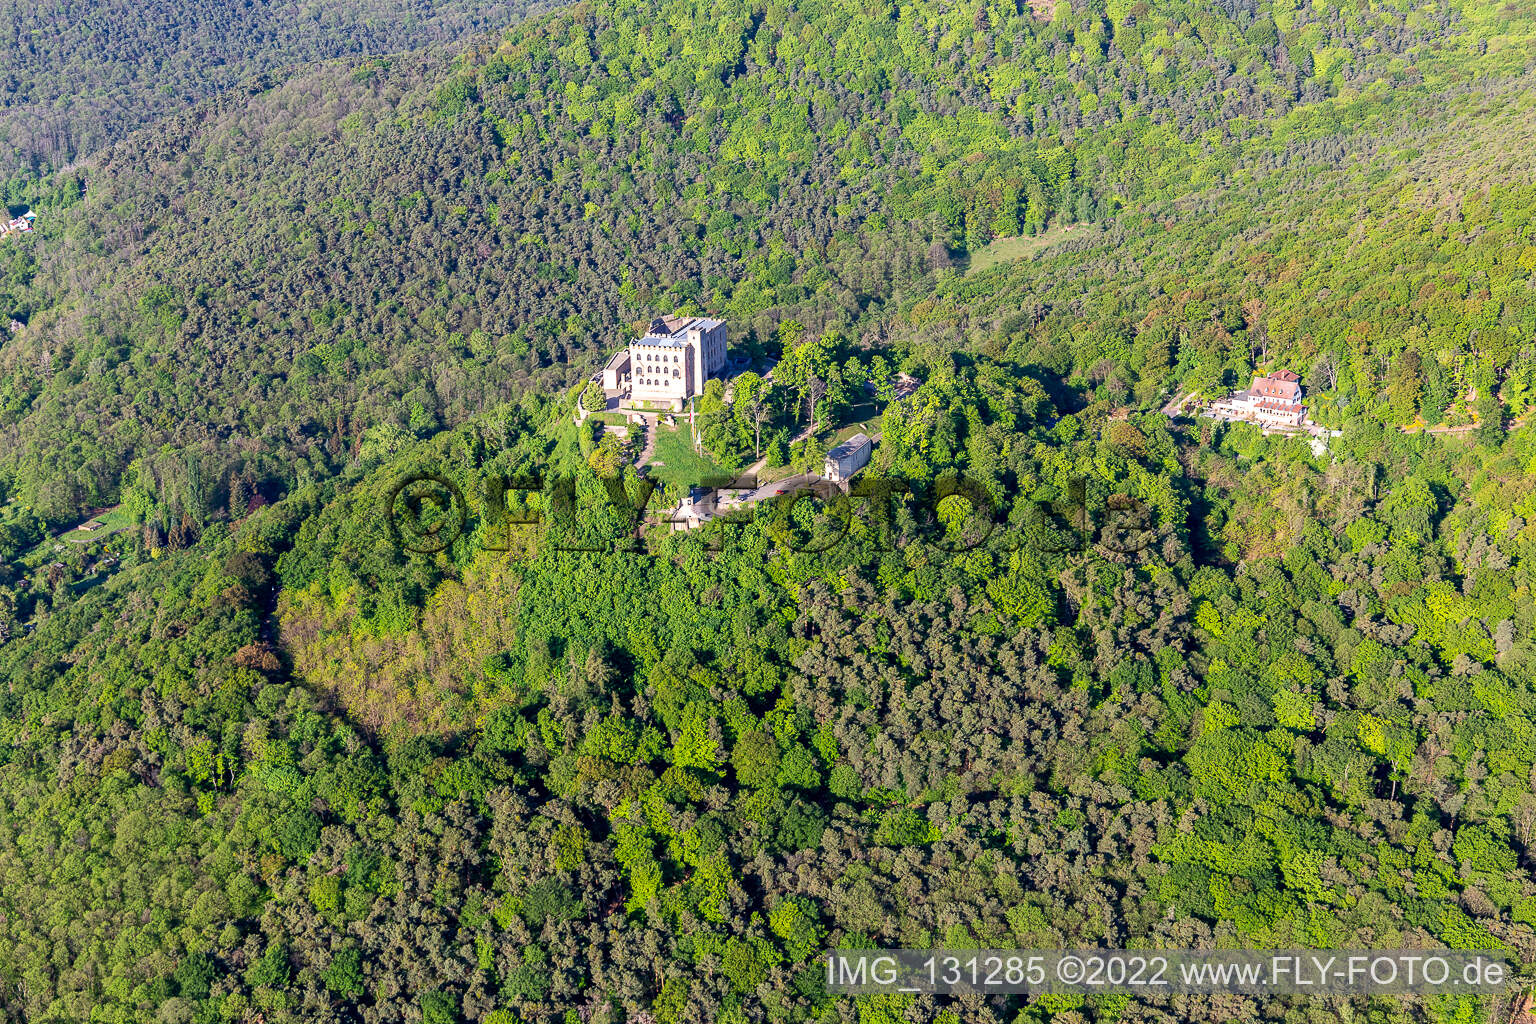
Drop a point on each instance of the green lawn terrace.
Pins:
(1002, 251)
(78, 558)
(677, 461)
(98, 527)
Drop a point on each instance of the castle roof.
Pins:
(849, 447)
(674, 329)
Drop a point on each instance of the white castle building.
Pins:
(670, 364)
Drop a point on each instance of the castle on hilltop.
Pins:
(670, 363)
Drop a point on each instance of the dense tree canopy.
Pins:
(1136, 681)
(80, 74)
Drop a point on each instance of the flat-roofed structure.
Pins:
(616, 373)
(848, 458)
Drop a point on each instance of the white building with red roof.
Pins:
(1274, 400)
(16, 224)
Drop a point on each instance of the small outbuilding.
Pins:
(848, 458)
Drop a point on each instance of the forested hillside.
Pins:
(389, 246)
(1192, 686)
(508, 786)
(79, 74)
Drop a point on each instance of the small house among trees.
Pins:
(17, 224)
(848, 458)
